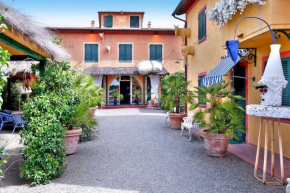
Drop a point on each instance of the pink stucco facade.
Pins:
(74, 42)
(108, 40)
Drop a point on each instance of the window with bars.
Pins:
(91, 52)
(134, 21)
(108, 21)
(202, 24)
(156, 52)
(125, 53)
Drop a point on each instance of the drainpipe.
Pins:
(185, 66)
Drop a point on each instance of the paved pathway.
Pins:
(136, 152)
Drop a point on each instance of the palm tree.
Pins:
(225, 115)
(175, 95)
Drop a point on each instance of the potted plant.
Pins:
(174, 97)
(115, 95)
(137, 94)
(223, 117)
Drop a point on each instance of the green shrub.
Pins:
(48, 113)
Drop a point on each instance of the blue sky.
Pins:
(79, 13)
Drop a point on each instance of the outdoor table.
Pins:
(268, 112)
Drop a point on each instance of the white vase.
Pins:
(273, 79)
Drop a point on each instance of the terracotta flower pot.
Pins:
(216, 145)
(71, 140)
(93, 111)
(176, 119)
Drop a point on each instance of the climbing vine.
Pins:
(224, 10)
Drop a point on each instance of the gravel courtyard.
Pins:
(136, 152)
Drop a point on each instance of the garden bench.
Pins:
(187, 124)
(167, 118)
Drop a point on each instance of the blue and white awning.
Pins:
(216, 75)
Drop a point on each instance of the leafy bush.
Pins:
(173, 91)
(48, 114)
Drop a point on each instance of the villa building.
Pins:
(255, 38)
(112, 52)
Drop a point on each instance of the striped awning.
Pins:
(216, 75)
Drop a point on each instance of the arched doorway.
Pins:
(125, 87)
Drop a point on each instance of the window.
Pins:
(108, 21)
(125, 52)
(202, 24)
(285, 91)
(200, 84)
(91, 52)
(134, 21)
(156, 52)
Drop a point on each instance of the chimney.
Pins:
(92, 23)
(149, 24)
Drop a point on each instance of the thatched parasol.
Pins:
(40, 35)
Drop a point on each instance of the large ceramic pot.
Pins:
(176, 119)
(216, 145)
(71, 140)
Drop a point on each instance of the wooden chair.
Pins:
(191, 127)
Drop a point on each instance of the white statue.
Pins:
(273, 80)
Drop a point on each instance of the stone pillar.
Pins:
(105, 88)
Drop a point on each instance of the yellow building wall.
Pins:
(256, 35)
(207, 53)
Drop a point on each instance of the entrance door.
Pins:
(125, 87)
(239, 84)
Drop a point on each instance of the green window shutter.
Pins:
(128, 53)
(286, 91)
(134, 21)
(91, 52)
(199, 26)
(87, 52)
(204, 24)
(159, 53)
(122, 53)
(200, 84)
(125, 53)
(95, 49)
(105, 21)
(156, 52)
(110, 21)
